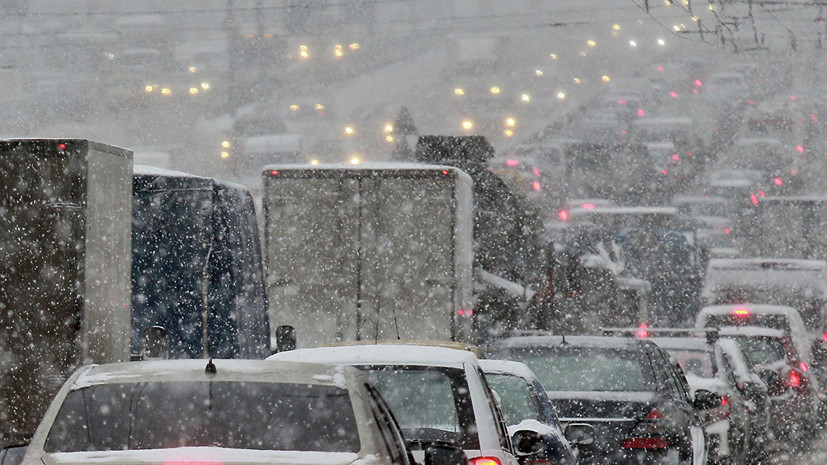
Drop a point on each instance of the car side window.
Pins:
(391, 433)
(502, 431)
(683, 385)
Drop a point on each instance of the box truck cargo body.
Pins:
(65, 210)
(370, 252)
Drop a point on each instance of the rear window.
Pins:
(695, 362)
(430, 403)
(763, 350)
(242, 415)
(588, 369)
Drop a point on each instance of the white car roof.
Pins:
(764, 309)
(758, 264)
(384, 354)
(508, 367)
(750, 331)
(225, 370)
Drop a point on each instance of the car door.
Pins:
(700, 445)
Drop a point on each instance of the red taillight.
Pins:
(824, 336)
(778, 181)
(563, 215)
(655, 415)
(643, 332)
(676, 157)
(799, 148)
(795, 379)
(727, 231)
(274, 173)
(754, 199)
(741, 311)
(698, 83)
(446, 172)
(484, 461)
(588, 206)
(641, 113)
(803, 367)
(61, 146)
(645, 443)
(724, 401)
(512, 162)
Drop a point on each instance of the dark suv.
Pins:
(635, 401)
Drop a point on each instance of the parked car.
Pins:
(525, 405)
(626, 390)
(12, 454)
(437, 394)
(222, 411)
(794, 404)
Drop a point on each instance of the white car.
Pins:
(437, 394)
(244, 412)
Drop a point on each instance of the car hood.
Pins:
(599, 404)
(203, 456)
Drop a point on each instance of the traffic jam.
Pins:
(299, 232)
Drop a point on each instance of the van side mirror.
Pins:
(705, 400)
(580, 434)
(155, 344)
(285, 338)
(444, 454)
(528, 443)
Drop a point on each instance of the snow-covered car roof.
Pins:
(381, 354)
(762, 309)
(750, 331)
(225, 370)
(767, 264)
(507, 367)
(688, 343)
(608, 342)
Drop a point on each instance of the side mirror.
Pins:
(528, 443)
(580, 434)
(705, 400)
(285, 338)
(444, 454)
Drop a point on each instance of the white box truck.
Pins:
(65, 256)
(369, 252)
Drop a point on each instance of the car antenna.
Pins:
(210, 370)
(564, 339)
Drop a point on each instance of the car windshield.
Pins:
(763, 350)
(430, 403)
(694, 362)
(517, 401)
(240, 415)
(588, 369)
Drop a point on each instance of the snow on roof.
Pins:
(749, 331)
(204, 455)
(382, 354)
(507, 367)
(767, 264)
(688, 343)
(763, 309)
(226, 370)
(541, 341)
(155, 171)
